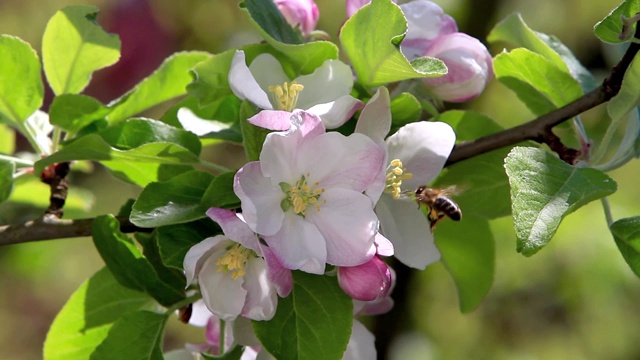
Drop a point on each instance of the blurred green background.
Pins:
(576, 299)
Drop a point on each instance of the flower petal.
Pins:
(384, 246)
(280, 276)
(348, 224)
(423, 147)
(198, 254)
(334, 160)
(361, 343)
(405, 225)
(267, 71)
(261, 300)
(272, 119)
(375, 118)
(197, 125)
(299, 245)
(260, 200)
(234, 228)
(334, 114)
(244, 85)
(333, 79)
(365, 282)
(223, 294)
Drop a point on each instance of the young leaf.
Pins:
(252, 136)
(468, 252)
(483, 184)
(268, 18)
(626, 233)
(85, 320)
(175, 240)
(6, 179)
(175, 201)
(540, 84)
(220, 192)
(405, 108)
(169, 81)
(544, 189)
(74, 46)
(73, 112)
(371, 39)
(515, 31)
(313, 322)
(21, 89)
(128, 265)
(609, 28)
(136, 335)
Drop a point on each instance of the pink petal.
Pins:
(348, 225)
(272, 119)
(280, 276)
(234, 228)
(261, 300)
(334, 114)
(366, 282)
(384, 246)
(260, 200)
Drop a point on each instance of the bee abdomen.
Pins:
(448, 207)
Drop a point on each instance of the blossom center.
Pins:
(235, 260)
(286, 95)
(301, 195)
(396, 173)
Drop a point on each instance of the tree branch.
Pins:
(50, 227)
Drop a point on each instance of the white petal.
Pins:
(235, 228)
(361, 344)
(272, 119)
(260, 200)
(384, 246)
(336, 113)
(423, 147)
(198, 254)
(334, 160)
(267, 71)
(261, 300)
(375, 118)
(244, 85)
(200, 315)
(348, 224)
(405, 225)
(197, 125)
(330, 81)
(223, 294)
(299, 245)
(278, 157)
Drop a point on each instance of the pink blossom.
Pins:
(301, 14)
(366, 282)
(426, 22)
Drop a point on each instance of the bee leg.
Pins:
(434, 219)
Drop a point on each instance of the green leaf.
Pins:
(629, 96)
(626, 233)
(141, 173)
(21, 89)
(175, 201)
(483, 183)
(313, 322)
(211, 78)
(268, 18)
(515, 31)
(93, 147)
(175, 240)
(544, 189)
(253, 136)
(371, 37)
(610, 27)
(169, 81)
(151, 251)
(7, 169)
(468, 252)
(220, 192)
(85, 320)
(127, 263)
(405, 108)
(73, 112)
(133, 133)
(540, 84)
(74, 46)
(135, 336)
(7, 139)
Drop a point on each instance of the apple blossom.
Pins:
(365, 282)
(416, 154)
(325, 92)
(305, 195)
(469, 64)
(355, 5)
(302, 14)
(426, 22)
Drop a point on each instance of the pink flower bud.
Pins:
(366, 282)
(426, 21)
(300, 13)
(469, 64)
(355, 5)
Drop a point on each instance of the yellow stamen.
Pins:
(396, 173)
(301, 195)
(286, 95)
(234, 261)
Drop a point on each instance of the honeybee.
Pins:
(439, 203)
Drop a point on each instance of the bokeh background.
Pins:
(576, 299)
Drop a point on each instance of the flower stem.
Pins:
(607, 211)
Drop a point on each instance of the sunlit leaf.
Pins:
(626, 233)
(609, 28)
(73, 112)
(74, 46)
(6, 179)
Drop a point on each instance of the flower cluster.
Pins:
(328, 202)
